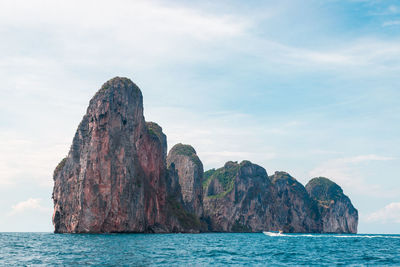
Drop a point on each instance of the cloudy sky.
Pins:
(307, 87)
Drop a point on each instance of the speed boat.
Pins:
(273, 233)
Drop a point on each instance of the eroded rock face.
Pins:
(294, 210)
(113, 179)
(184, 160)
(337, 213)
(238, 198)
(117, 178)
(242, 198)
(181, 214)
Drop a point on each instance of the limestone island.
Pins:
(118, 178)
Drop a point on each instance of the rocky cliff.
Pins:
(338, 215)
(184, 160)
(113, 179)
(238, 198)
(241, 197)
(295, 211)
(117, 178)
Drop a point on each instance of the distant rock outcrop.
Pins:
(242, 198)
(117, 178)
(238, 197)
(184, 160)
(295, 211)
(337, 213)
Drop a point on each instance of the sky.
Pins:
(307, 87)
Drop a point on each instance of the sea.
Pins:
(208, 249)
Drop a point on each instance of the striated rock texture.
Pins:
(181, 219)
(337, 213)
(295, 211)
(184, 160)
(113, 179)
(242, 198)
(238, 198)
(117, 178)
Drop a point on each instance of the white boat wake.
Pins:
(328, 235)
(273, 233)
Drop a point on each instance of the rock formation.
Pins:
(238, 198)
(241, 197)
(337, 213)
(184, 160)
(295, 211)
(184, 201)
(113, 179)
(117, 178)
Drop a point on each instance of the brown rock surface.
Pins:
(113, 179)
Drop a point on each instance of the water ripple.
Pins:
(36, 249)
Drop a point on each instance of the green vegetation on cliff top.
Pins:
(186, 150)
(207, 177)
(59, 167)
(324, 190)
(225, 176)
(155, 130)
(182, 149)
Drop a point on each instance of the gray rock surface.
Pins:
(338, 215)
(184, 160)
(295, 211)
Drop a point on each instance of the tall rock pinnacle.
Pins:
(113, 179)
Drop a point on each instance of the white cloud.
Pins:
(24, 158)
(389, 214)
(365, 52)
(363, 158)
(122, 15)
(391, 23)
(32, 204)
(143, 33)
(148, 33)
(346, 173)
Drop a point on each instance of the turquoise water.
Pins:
(197, 249)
